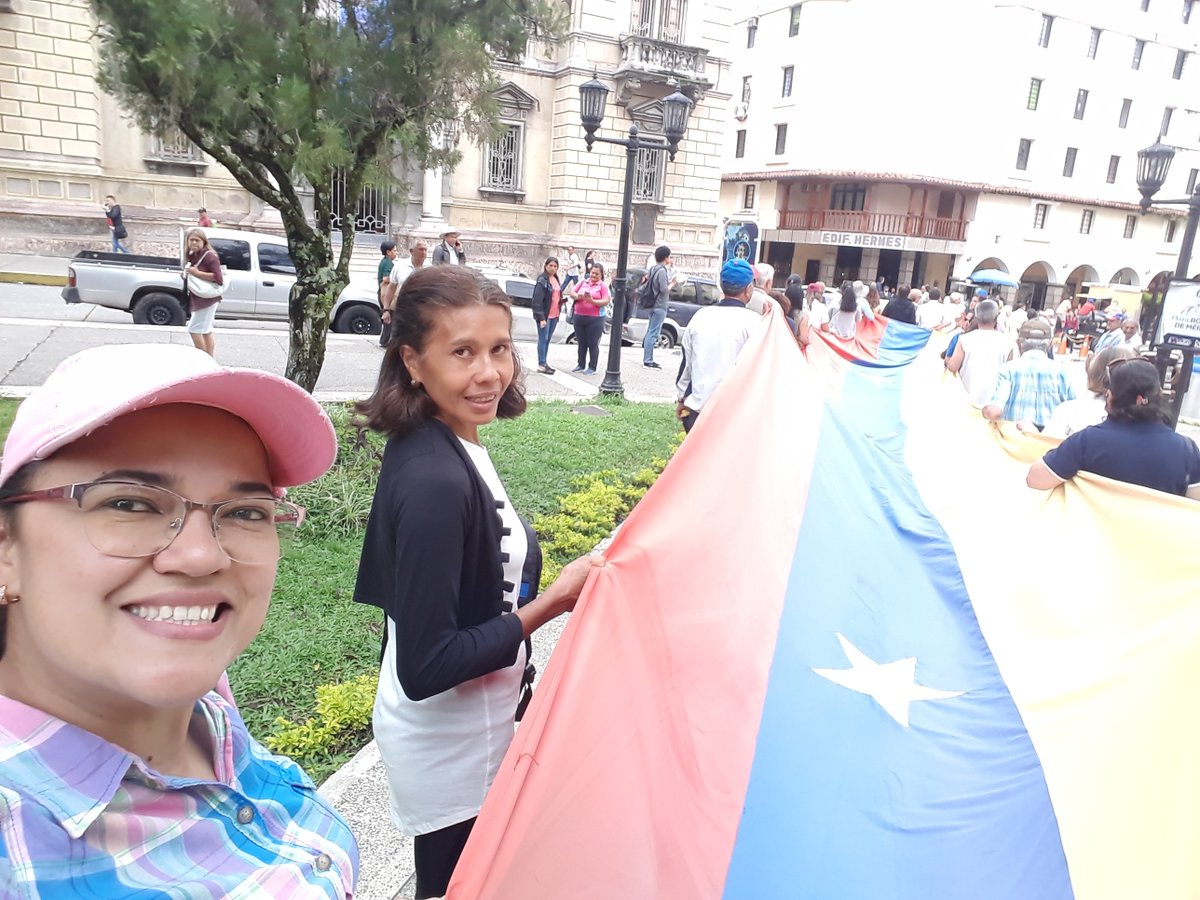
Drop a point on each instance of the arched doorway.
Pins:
(992, 262)
(1125, 276)
(1035, 284)
(1079, 276)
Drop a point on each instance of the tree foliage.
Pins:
(287, 93)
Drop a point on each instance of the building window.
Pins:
(745, 88)
(1126, 104)
(748, 196)
(794, 21)
(659, 19)
(1192, 180)
(1080, 103)
(1113, 163)
(502, 161)
(1069, 162)
(1130, 226)
(788, 72)
(848, 197)
(1169, 237)
(1023, 153)
(1180, 61)
(173, 146)
(1035, 91)
(739, 149)
(1094, 43)
(1168, 112)
(1085, 222)
(780, 139)
(1138, 48)
(1187, 10)
(1047, 25)
(649, 174)
(1145, 5)
(1039, 215)
(751, 34)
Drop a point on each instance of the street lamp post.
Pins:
(1154, 162)
(593, 95)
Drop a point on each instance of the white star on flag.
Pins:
(892, 685)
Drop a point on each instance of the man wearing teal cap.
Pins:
(713, 339)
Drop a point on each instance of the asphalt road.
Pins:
(38, 330)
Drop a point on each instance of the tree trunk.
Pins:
(317, 288)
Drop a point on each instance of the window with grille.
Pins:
(1130, 226)
(1191, 183)
(1180, 61)
(1113, 163)
(1085, 222)
(739, 149)
(1035, 91)
(1039, 215)
(745, 88)
(1126, 105)
(1094, 43)
(649, 174)
(1069, 162)
(850, 197)
(794, 21)
(174, 146)
(748, 196)
(1047, 26)
(1168, 112)
(1023, 149)
(788, 73)
(780, 139)
(1080, 103)
(659, 19)
(1139, 47)
(1169, 237)
(502, 161)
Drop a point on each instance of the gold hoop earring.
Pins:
(6, 600)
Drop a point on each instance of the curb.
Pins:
(33, 278)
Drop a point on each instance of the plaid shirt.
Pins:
(80, 817)
(1031, 387)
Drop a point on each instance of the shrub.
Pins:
(343, 714)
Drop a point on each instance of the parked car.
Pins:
(520, 291)
(259, 275)
(687, 294)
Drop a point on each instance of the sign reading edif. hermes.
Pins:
(850, 239)
(1181, 315)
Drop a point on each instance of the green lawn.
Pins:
(8, 409)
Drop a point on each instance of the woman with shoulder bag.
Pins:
(205, 285)
(588, 299)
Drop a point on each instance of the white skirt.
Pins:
(201, 321)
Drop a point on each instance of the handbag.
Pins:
(206, 290)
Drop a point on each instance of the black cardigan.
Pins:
(543, 293)
(431, 562)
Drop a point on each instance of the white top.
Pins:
(984, 352)
(442, 753)
(572, 264)
(1075, 415)
(929, 314)
(403, 268)
(845, 325)
(711, 344)
(952, 311)
(818, 314)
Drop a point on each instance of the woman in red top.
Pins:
(202, 263)
(589, 297)
(547, 298)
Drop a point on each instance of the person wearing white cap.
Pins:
(449, 251)
(142, 517)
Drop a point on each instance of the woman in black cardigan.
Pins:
(450, 563)
(547, 306)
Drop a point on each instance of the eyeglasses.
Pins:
(130, 520)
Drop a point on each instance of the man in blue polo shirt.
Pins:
(713, 339)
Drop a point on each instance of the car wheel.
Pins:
(359, 319)
(159, 309)
(570, 338)
(667, 339)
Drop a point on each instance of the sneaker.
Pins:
(577, 369)
(652, 365)
(589, 371)
(545, 370)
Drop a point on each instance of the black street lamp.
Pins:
(1154, 163)
(593, 95)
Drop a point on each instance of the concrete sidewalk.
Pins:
(18, 268)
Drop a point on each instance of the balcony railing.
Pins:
(646, 54)
(873, 223)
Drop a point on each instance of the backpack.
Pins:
(644, 294)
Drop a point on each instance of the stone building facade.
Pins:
(64, 145)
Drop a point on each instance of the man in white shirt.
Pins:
(979, 354)
(712, 341)
(400, 272)
(571, 269)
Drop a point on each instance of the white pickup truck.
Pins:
(258, 271)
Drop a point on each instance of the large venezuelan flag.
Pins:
(841, 652)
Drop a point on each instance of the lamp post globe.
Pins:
(1154, 162)
(676, 109)
(593, 97)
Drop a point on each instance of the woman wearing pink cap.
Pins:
(141, 521)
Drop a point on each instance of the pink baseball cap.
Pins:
(93, 387)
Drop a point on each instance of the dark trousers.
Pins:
(436, 854)
(689, 421)
(588, 330)
(385, 333)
